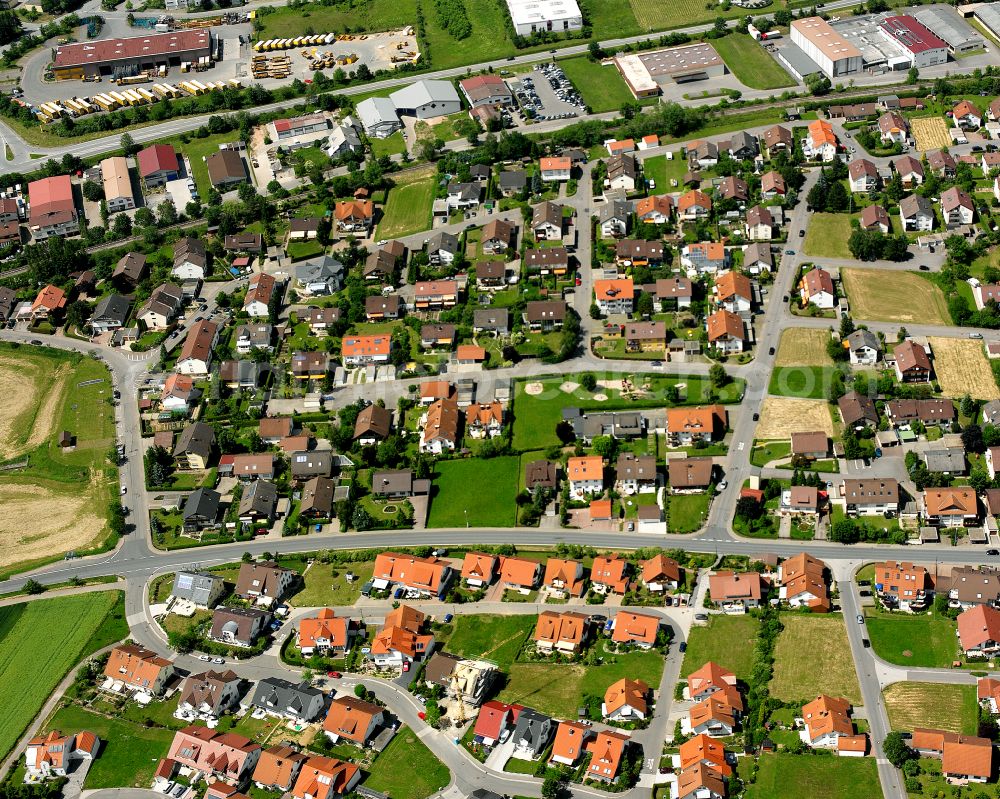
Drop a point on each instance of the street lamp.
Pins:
(466, 511)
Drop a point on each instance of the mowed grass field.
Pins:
(829, 667)
(40, 642)
(496, 638)
(728, 640)
(804, 382)
(652, 15)
(408, 207)
(559, 688)
(827, 235)
(918, 640)
(783, 776)
(601, 87)
(750, 63)
(803, 346)
(894, 297)
(407, 769)
(476, 492)
(960, 366)
(923, 704)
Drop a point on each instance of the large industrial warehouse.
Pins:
(833, 54)
(128, 56)
(645, 73)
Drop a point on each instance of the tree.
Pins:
(116, 517)
(605, 446)
(33, 587)
(360, 691)
(644, 305)
(588, 382)
(361, 520)
(844, 531)
(972, 439)
(554, 787)
(10, 27)
(896, 750)
(912, 76)
(718, 376)
(92, 191)
(128, 145)
(818, 84)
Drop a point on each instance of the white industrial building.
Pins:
(833, 54)
(645, 73)
(920, 46)
(378, 117)
(427, 98)
(946, 24)
(530, 16)
(989, 17)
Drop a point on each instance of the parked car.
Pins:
(861, 619)
(448, 617)
(335, 674)
(683, 647)
(398, 593)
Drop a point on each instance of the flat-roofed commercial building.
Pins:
(105, 57)
(833, 54)
(645, 73)
(530, 16)
(117, 184)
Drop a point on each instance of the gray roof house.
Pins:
(399, 483)
(442, 247)
(200, 588)
(238, 626)
(864, 347)
(991, 412)
(512, 182)
(194, 445)
(111, 313)
(258, 501)
(427, 98)
(378, 117)
(532, 734)
(320, 275)
(491, 320)
(945, 461)
(282, 698)
(309, 464)
(200, 509)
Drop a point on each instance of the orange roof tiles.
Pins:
(560, 628)
(635, 628)
(626, 692)
(324, 626)
(614, 288)
(586, 467)
(518, 571)
(570, 741)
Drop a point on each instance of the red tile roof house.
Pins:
(606, 751)
(570, 742)
(964, 758)
(352, 720)
(427, 576)
(626, 700)
(661, 573)
(979, 631)
(326, 633)
(708, 679)
(608, 574)
(520, 575)
(137, 669)
(826, 719)
(479, 569)
(400, 640)
(277, 768)
(226, 756)
(736, 592)
(637, 629)
(325, 778)
(988, 693)
(52, 755)
(564, 577)
(495, 718)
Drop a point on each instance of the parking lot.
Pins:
(181, 191)
(546, 93)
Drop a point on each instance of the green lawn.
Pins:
(300, 250)
(918, 640)
(130, 751)
(493, 506)
(407, 769)
(559, 688)
(938, 706)
(662, 171)
(728, 640)
(373, 15)
(391, 145)
(803, 382)
(322, 588)
(197, 150)
(827, 235)
(408, 208)
(654, 16)
(829, 667)
(495, 638)
(536, 415)
(40, 642)
(751, 63)
(601, 87)
(783, 776)
(766, 451)
(686, 512)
